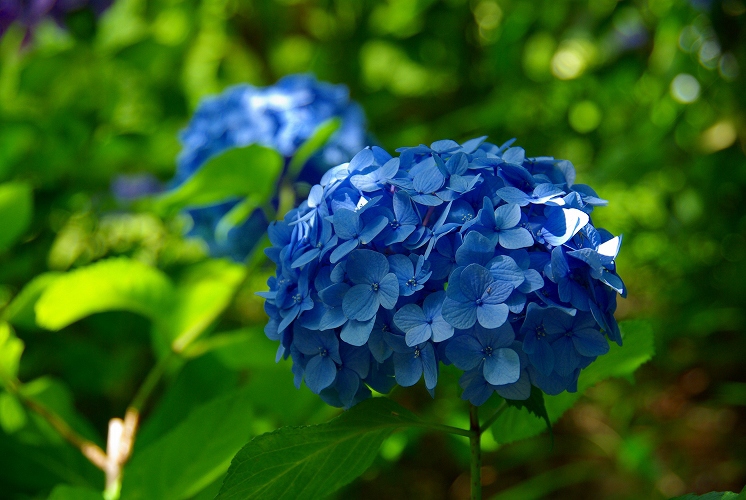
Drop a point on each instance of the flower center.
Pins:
(297, 298)
(323, 352)
(412, 281)
(479, 302)
(540, 331)
(487, 351)
(416, 353)
(374, 286)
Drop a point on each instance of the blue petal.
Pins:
(372, 229)
(332, 318)
(520, 390)
(474, 280)
(460, 315)
(365, 267)
(360, 303)
(542, 355)
(503, 268)
(357, 332)
(407, 369)
(320, 373)
(503, 367)
(429, 365)
(566, 358)
(388, 291)
(492, 315)
(408, 317)
(476, 249)
(515, 238)
(347, 384)
(343, 249)
(464, 351)
(418, 334)
(590, 342)
(346, 224)
(441, 329)
(507, 216)
(562, 224)
(514, 195)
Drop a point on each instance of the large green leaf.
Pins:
(201, 295)
(113, 284)
(16, 210)
(20, 311)
(64, 492)
(11, 349)
(320, 137)
(515, 424)
(313, 461)
(238, 172)
(193, 454)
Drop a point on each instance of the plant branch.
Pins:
(88, 448)
(476, 454)
(488, 423)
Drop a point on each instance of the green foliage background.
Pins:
(106, 97)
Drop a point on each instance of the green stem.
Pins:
(150, 383)
(488, 423)
(476, 454)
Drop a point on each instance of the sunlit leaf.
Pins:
(16, 210)
(313, 461)
(20, 311)
(201, 295)
(320, 137)
(238, 172)
(11, 349)
(118, 284)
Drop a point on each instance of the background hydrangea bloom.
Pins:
(282, 117)
(467, 254)
(29, 13)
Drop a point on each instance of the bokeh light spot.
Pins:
(720, 136)
(585, 117)
(685, 88)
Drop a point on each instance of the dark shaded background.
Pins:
(646, 98)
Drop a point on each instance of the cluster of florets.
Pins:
(281, 117)
(471, 255)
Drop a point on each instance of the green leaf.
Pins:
(20, 311)
(313, 461)
(192, 455)
(320, 137)
(114, 284)
(238, 172)
(57, 397)
(16, 210)
(11, 349)
(515, 424)
(534, 405)
(714, 495)
(64, 492)
(235, 217)
(12, 415)
(201, 295)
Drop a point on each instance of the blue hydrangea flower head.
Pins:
(468, 254)
(282, 117)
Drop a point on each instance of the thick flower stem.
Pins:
(476, 454)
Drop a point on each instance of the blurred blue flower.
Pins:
(282, 117)
(28, 13)
(471, 254)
